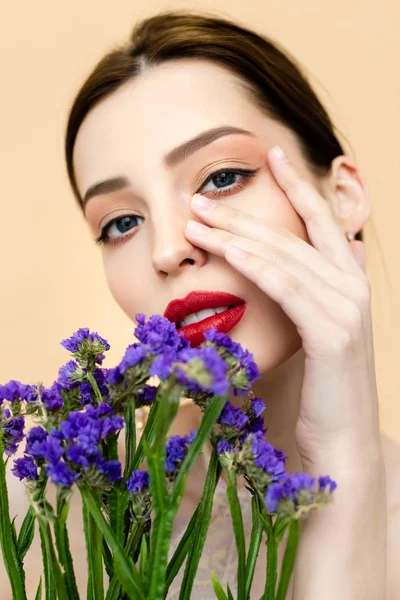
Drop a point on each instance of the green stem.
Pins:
(95, 387)
(124, 566)
(181, 551)
(10, 552)
(203, 522)
(237, 522)
(255, 542)
(55, 587)
(94, 547)
(272, 566)
(62, 544)
(130, 438)
(147, 435)
(288, 559)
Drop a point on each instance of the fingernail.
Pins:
(203, 203)
(279, 154)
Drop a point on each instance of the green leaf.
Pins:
(57, 586)
(38, 595)
(49, 582)
(62, 544)
(181, 551)
(26, 533)
(108, 559)
(161, 529)
(254, 548)
(147, 435)
(208, 420)
(113, 592)
(124, 566)
(218, 589)
(272, 568)
(130, 438)
(8, 542)
(94, 548)
(230, 595)
(202, 524)
(237, 522)
(118, 500)
(288, 559)
(143, 556)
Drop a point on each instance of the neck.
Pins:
(281, 391)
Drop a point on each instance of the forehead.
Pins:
(130, 130)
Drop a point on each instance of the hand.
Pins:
(325, 292)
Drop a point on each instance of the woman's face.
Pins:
(127, 135)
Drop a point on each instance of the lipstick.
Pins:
(199, 300)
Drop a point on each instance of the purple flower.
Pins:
(207, 371)
(232, 416)
(60, 474)
(134, 354)
(324, 481)
(25, 467)
(224, 446)
(244, 357)
(138, 481)
(176, 449)
(51, 397)
(50, 449)
(73, 343)
(75, 453)
(35, 434)
(11, 390)
(162, 365)
(13, 432)
(65, 374)
(146, 396)
(159, 333)
(86, 393)
(298, 490)
(268, 458)
(111, 469)
(257, 406)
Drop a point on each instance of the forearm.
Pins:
(342, 546)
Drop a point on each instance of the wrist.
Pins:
(347, 458)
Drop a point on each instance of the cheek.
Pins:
(125, 283)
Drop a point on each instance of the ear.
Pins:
(347, 194)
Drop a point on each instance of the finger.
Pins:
(285, 249)
(322, 227)
(324, 318)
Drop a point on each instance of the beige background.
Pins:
(51, 274)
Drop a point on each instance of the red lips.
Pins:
(197, 301)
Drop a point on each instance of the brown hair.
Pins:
(270, 76)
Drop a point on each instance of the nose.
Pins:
(172, 251)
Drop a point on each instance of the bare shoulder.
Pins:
(391, 450)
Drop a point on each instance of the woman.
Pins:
(194, 103)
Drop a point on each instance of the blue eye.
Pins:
(223, 177)
(123, 224)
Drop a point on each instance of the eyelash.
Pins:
(245, 173)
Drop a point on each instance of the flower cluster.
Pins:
(176, 450)
(73, 449)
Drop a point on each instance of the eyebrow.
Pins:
(170, 159)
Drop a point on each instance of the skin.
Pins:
(308, 318)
